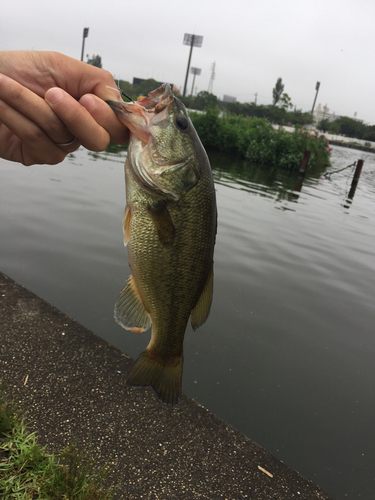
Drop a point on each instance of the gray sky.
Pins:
(253, 42)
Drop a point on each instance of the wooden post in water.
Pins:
(301, 175)
(358, 171)
(356, 176)
(305, 161)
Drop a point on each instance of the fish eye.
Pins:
(182, 122)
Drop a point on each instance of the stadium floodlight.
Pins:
(85, 35)
(193, 41)
(195, 72)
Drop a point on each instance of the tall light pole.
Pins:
(193, 41)
(85, 35)
(195, 71)
(211, 82)
(316, 95)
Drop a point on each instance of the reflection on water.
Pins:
(275, 183)
(287, 354)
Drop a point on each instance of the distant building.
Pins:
(322, 113)
(229, 98)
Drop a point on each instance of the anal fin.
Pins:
(202, 308)
(130, 312)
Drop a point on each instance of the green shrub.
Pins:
(256, 140)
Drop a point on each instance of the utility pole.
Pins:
(193, 41)
(85, 35)
(256, 95)
(211, 83)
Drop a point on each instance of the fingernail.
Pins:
(88, 102)
(117, 93)
(54, 95)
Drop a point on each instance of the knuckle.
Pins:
(107, 74)
(35, 135)
(57, 129)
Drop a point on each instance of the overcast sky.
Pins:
(253, 42)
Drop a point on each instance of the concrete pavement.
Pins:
(71, 383)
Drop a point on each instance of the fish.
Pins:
(169, 227)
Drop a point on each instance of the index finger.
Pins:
(78, 120)
(52, 69)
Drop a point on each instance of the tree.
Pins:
(334, 128)
(277, 91)
(297, 117)
(286, 101)
(147, 86)
(369, 135)
(204, 100)
(351, 127)
(95, 61)
(323, 125)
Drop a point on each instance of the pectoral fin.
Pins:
(202, 309)
(130, 312)
(163, 222)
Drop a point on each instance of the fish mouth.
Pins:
(158, 99)
(137, 115)
(141, 117)
(155, 102)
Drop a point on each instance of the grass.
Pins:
(28, 472)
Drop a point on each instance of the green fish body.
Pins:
(169, 228)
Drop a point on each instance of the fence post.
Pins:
(358, 171)
(305, 161)
(356, 176)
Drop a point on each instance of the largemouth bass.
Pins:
(169, 227)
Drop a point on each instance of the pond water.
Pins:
(287, 354)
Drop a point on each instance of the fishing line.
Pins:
(125, 95)
(121, 92)
(112, 103)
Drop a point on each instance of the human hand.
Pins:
(39, 107)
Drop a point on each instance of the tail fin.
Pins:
(163, 376)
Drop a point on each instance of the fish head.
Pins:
(163, 144)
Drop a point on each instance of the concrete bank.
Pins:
(344, 144)
(71, 383)
(337, 140)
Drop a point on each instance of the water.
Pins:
(287, 354)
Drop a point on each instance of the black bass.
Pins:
(170, 228)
